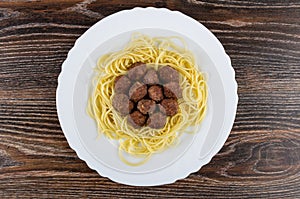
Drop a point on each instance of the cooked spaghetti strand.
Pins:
(145, 141)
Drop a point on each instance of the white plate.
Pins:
(112, 33)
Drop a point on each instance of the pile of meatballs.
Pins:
(146, 95)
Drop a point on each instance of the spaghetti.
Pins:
(145, 141)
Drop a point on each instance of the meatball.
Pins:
(169, 106)
(136, 119)
(151, 77)
(137, 91)
(137, 71)
(157, 120)
(172, 90)
(122, 104)
(156, 93)
(168, 74)
(146, 106)
(122, 84)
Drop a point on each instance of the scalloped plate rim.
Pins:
(106, 172)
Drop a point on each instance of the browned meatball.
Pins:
(121, 103)
(136, 119)
(137, 71)
(122, 84)
(169, 106)
(146, 106)
(172, 90)
(168, 74)
(156, 93)
(151, 77)
(157, 120)
(137, 91)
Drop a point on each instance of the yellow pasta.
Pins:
(145, 141)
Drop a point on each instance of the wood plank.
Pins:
(261, 158)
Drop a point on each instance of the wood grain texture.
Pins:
(261, 158)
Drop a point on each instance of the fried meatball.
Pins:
(172, 90)
(168, 74)
(137, 71)
(146, 106)
(156, 93)
(151, 77)
(122, 84)
(122, 103)
(136, 119)
(137, 91)
(157, 120)
(169, 106)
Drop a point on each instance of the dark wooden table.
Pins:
(261, 158)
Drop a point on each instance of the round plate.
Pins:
(113, 33)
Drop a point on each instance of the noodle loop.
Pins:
(145, 141)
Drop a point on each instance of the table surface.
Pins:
(261, 158)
